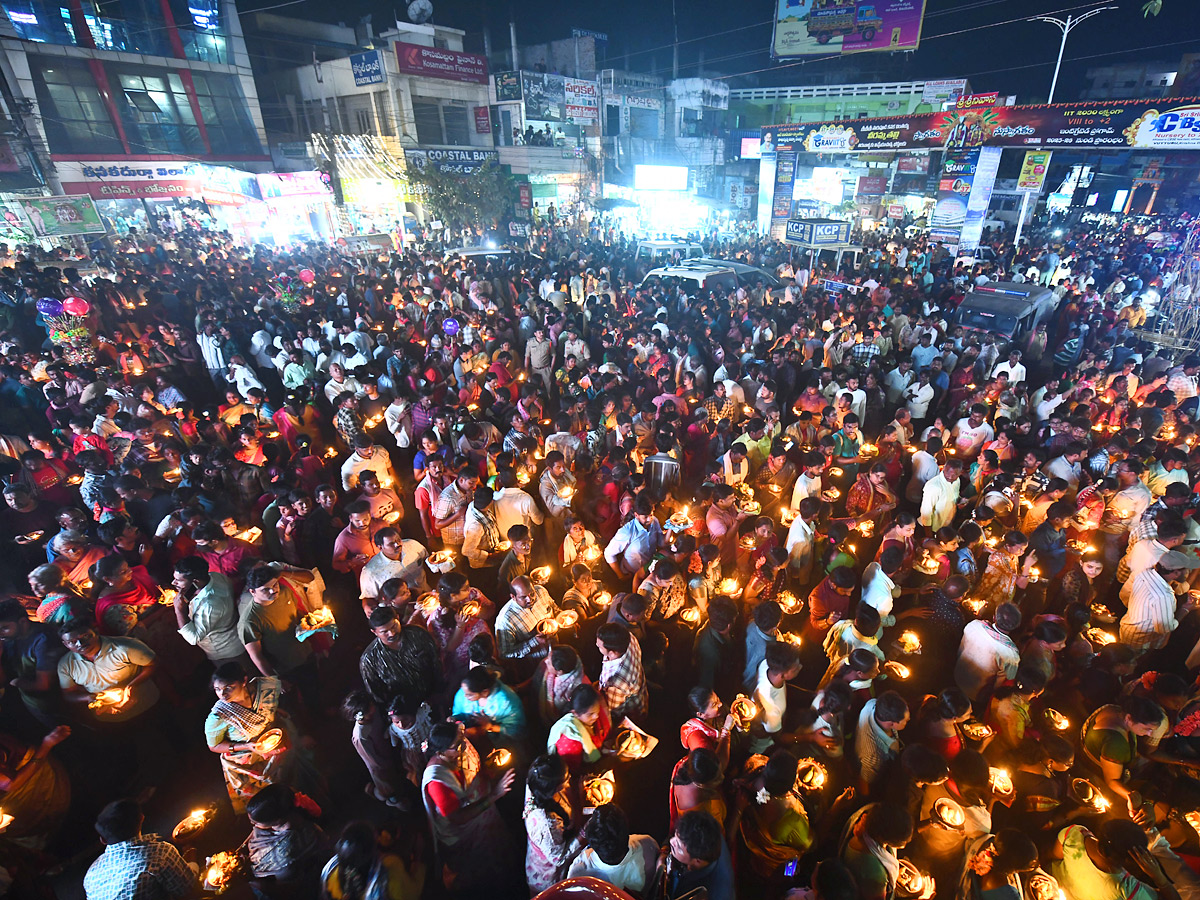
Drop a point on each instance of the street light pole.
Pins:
(1065, 26)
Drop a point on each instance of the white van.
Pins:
(692, 278)
(667, 251)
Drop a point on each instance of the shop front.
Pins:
(300, 206)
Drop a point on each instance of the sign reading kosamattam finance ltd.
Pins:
(1159, 124)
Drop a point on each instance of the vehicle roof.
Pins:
(740, 267)
(683, 271)
(478, 251)
(664, 242)
(1006, 297)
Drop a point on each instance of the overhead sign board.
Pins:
(367, 68)
(817, 232)
(433, 62)
(1163, 123)
(824, 27)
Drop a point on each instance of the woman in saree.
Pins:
(578, 736)
(460, 801)
(871, 497)
(774, 827)
(454, 626)
(125, 595)
(1109, 743)
(34, 788)
(696, 783)
(58, 601)
(552, 823)
(579, 545)
(75, 555)
(246, 709)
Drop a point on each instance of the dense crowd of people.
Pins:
(916, 598)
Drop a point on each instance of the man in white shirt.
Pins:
(514, 506)
(917, 397)
(924, 467)
(397, 558)
(879, 591)
(1068, 467)
(1013, 367)
(897, 381)
(986, 654)
(971, 433)
(781, 665)
(1154, 611)
(940, 496)
(877, 738)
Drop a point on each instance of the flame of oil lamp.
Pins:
(393, 517)
(221, 867)
(116, 697)
(6, 819)
(600, 789)
(728, 586)
(835, 471)
(167, 596)
(787, 516)
(193, 822)
(504, 546)
(868, 450)
(567, 618)
(747, 542)
(976, 730)
(566, 492)
(591, 553)
(1044, 887)
(866, 528)
(75, 479)
(34, 536)
(744, 710)
(898, 670)
(602, 599)
(547, 627)
(331, 453)
(1100, 636)
(250, 535)
(1193, 819)
(428, 602)
(500, 759)
(1000, 781)
(1057, 720)
(811, 775)
(318, 618)
(775, 488)
(631, 744)
(830, 495)
(523, 477)
(975, 606)
(268, 741)
(1085, 792)
(909, 642)
(540, 575)
(949, 814)
(789, 637)
(691, 615)
(788, 603)
(911, 881)
(470, 608)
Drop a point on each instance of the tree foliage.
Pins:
(483, 198)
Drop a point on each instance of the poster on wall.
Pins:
(508, 86)
(785, 179)
(1166, 124)
(55, 216)
(434, 62)
(831, 27)
(1033, 170)
(980, 197)
(545, 96)
(582, 101)
(483, 120)
(954, 187)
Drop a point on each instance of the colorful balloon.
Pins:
(48, 306)
(76, 306)
(308, 276)
(451, 327)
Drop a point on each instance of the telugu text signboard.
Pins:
(367, 68)
(825, 27)
(56, 216)
(1166, 123)
(456, 162)
(433, 62)
(1033, 170)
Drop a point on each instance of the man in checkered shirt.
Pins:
(135, 866)
(866, 352)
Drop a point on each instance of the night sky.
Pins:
(987, 41)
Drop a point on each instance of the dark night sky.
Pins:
(987, 41)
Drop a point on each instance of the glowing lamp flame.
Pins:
(504, 546)
(167, 596)
(729, 586)
(787, 516)
(866, 528)
(602, 599)
(591, 553)
(471, 608)
(523, 477)
(318, 618)
(691, 615)
(1043, 887)
(911, 881)
(547, 627)
(788, 603)
(1000, 781)
(75, 479)
(789, 637)
(193, 823)
(268, 742)
(500, 759)
(630, 744)
(541, 574)
(835, 471)
(428, 603)
(948, 813)
(975, 606)
(1057, 720)
(747, 542)
(600, 789)
(744, 710)
(221, 867)
(909, 642)
(250, 535)
(976, 730)
(830, 495)
(393, 517)
(114, 697)
(1100, 637)
(1086, 793)
(331, 452)
(811, 775)
(567, 618)
(898, 670)
(566, 492)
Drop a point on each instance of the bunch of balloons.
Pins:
(67, 323)
(289, 297)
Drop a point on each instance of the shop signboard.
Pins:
(822, 27)
(367, 68)
(453, 161)
(545, 96)
(525, 195)
(913, 164)
(938, 92)
(895, 210)
(1159, 124)
(303, 186)
(508, 86)
(55, 216)
(980, 197)
(817, 232)
(483, 120)
(434, 62)
(954, 187)
(582, 100)
(1033, 170)
(872, 185)
(785, 179)
(977, 101)
(156, 181)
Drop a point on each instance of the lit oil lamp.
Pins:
(1100, 637)
(789, 603)
(331, 452)
(523, 477)
(470, 608)
(547, 627)
(690, 615)
(1000, 781)
(868, 450)
(744, 710)
(31, 537)
(600, 789)
(1102, 613)
(976, 730)
(747, 542)
(975, 606)
(220, 869)
(499, 759)
(1193, 819)
(591, 553)
(911, 882)
(602, 599)
(775, 489)
(835, 472)
(167, 596)
(250, 535)
(75, 479)
(1057, 720)
(566, 492)
(1034, 575)
(193, 823)
(1087, 795)
(866, 528)
(630, 744)
(567, 618)
(428, 603)
(947, 813)
(541, 574)
(1042, 886)
(811, 775)
(789, 637)
(909, 643)
(787, 516)
(318, 618)
(830, 494)
(113, 698)
(504, 546)
(729, 587)
(392, 518)
(5, 820)
(897, 670)
(268, 742)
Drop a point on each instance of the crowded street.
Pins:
(468, 576)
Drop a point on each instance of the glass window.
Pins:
(73, 113)
(428, 118)
(456, 125)
(226, 114)
(155, 110)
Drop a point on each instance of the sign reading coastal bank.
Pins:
(434, 62)
(367, 68)
(1164, 123)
